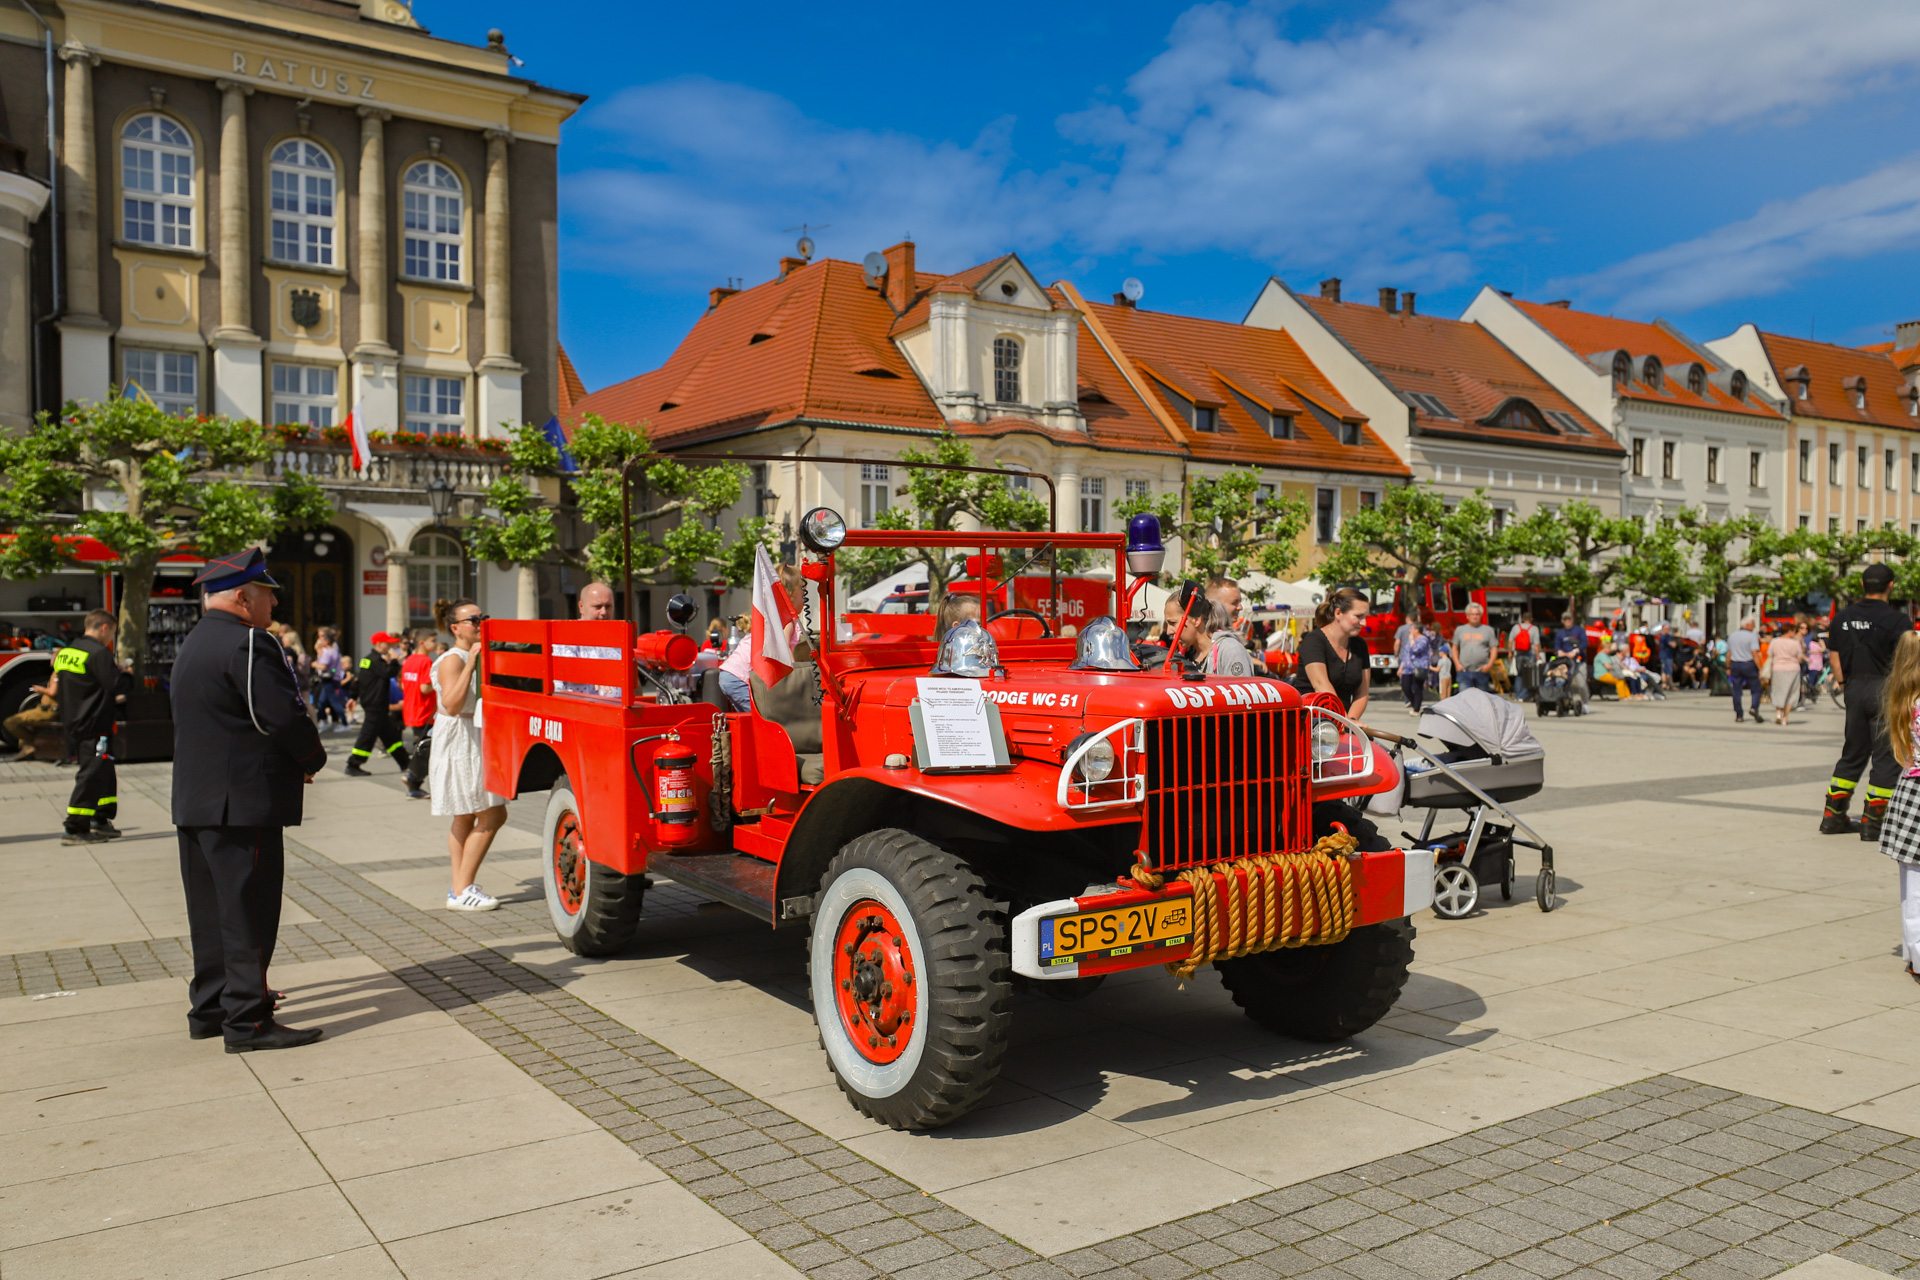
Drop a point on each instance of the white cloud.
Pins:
(1239, 137)
(1784, 241)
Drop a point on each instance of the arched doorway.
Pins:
(314, 568)
(436, 570)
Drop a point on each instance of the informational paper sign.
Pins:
(953, 714)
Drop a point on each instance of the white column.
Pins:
(86, 368)
(527, 596)
(239, 388)
(21, 200)
(376, 366)
(499, 373)
(1067, 496)
(397, 590)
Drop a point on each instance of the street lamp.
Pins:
(440, 498)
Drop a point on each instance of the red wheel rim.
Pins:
(875, 981)
(570, 862)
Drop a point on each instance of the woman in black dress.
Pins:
(1333, 656)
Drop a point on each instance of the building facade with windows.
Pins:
(291, 210)
(1460, 407)
(1853, 435)
(1090, 403)
(1698, 431)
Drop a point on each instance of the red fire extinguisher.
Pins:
(675, 813)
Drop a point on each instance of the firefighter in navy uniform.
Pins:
(243, 747)
(91, 688)
(373, 689)
(1862, 639)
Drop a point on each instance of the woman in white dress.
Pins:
(456, 769)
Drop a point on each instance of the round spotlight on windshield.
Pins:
(822, 530)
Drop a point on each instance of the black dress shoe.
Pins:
(276, 1037)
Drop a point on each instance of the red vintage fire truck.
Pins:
(1105, 818)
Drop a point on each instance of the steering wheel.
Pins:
(1046, 631)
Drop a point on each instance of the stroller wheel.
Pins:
(1543, 890)
(1506, 877)
(1455, 892)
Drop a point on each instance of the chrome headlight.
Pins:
(823, 530)
(1326, 740)
(1097, 764)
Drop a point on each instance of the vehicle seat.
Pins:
(789, 704)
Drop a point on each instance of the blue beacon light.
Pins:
(1146, 555)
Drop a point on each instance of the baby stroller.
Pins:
(1484, 759)
(1556, 693)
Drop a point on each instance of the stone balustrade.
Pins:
(392, 469)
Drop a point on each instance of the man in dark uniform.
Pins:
(91, 686)
(1862, 640)
(373, 689)
(243, 747)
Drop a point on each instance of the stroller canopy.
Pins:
(1495, 725)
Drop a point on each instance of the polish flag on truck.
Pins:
(773, 618)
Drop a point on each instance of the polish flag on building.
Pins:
(362, 448)
(773, 620)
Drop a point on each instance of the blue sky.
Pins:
(1713, 161)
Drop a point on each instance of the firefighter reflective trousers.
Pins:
(380, 727)
(1866, 740)
(95, 788)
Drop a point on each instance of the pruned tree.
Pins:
(936, 501)
(1590, 551)
(1829, 564)
(1728, 555)
(1228, 525)
(160, 484)
(1412, 535)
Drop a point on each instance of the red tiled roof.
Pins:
(1828, 367)
(1586, 335)
(1208, 360)
(571, 389)
(1466, 368)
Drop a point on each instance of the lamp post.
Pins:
(440, 498)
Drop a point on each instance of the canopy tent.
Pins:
(1497, 726)
(911, 578)
(1275, 597)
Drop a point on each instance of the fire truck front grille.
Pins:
(1226, 784)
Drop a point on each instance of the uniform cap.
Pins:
(224, 573)
(1876, 577)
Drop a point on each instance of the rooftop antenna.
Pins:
(805, 244)
(874, 268)
(1133, 290)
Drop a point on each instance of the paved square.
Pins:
(1704, 1063)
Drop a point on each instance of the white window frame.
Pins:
(302, 204)
(1007, 373)
(1893, 470)
(1640, 457)
(171, 379)
(157, 182)
(427, 397)
(1093, 504)
(1669, 460)
(433, 573)
(429, 207)
(1756, 469)
(1139, 489)
(1713, 464)
(304, 393)
(1806, 462)
(1861, 455)
(1328, 532)
(876, 480)
(1833, 464)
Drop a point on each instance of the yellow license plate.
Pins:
(1123, 931)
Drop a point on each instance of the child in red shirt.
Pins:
(417, 707)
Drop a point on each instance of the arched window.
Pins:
(1006, 370)
(301, 195)
(1650, 372)
(156, 182)
(1737, 385)
(431, 205)
(435, 571)
(1697, 379)
(1622, 370)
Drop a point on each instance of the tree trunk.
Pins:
(1722, 602)
(527, 607)
(130, 643)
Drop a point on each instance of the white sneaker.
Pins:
(472, 898)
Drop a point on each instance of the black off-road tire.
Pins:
(1324, 994)
(956, 933)
(608, 912)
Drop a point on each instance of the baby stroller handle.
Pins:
(1410, 745)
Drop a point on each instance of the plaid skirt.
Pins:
(1900, 837)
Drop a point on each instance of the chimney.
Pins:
(719, 294)
(1387, 296)
(1406, 302)
(1122, 300)
(1330, 288)
(1906, 334)
(790, 265)
(1565, 304)
(902, 284)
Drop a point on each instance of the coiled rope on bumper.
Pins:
(1267, 902)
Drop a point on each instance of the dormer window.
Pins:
(1697, 379)
(1206, 418)
(1277, 425)
(1650, 372)
(1006, 370)
(1737, 385)
(1622, 370)
(1801, 381)
(1856, 387)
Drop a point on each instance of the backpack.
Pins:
(1523, 640)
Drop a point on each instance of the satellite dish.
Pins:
(1133, 289)
(875, 267)
(805, 246)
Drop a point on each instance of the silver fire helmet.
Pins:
(1104, 647)
(968, 651)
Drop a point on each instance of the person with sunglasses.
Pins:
(457, 769)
